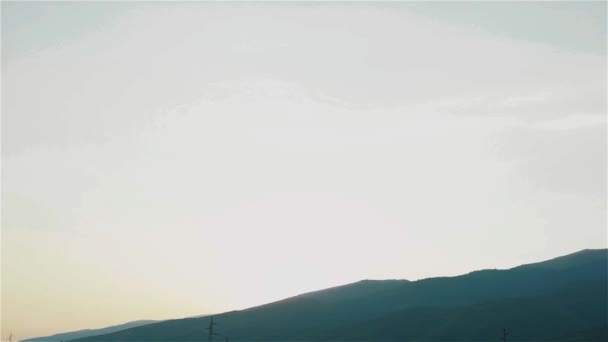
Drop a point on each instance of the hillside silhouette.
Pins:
(563, 299)
(88, 332)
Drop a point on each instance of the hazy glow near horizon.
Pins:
(172, 159)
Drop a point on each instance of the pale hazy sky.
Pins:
(166, 160)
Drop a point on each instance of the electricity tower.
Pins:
(212, 331)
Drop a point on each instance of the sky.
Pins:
(164, 160)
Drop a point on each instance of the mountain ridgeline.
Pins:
(563, 299)
(88, 332)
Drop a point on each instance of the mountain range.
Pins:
(563, 299)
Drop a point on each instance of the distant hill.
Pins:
(563, 299)
(575, 313)
(88, 332)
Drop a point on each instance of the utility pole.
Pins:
(504, 334)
